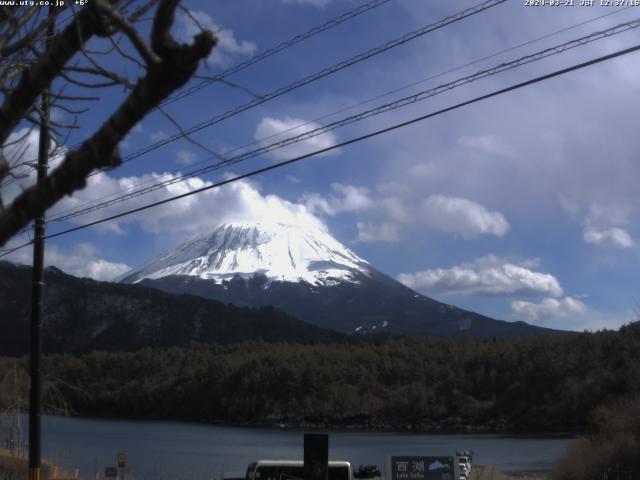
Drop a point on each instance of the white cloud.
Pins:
(346, 198)
(23, 147)
(489, 275)
(384, 232)
(25, 150)
(81, 260)
(271, 130)
(293, 178)
(568, 204)
(608, 214)
(423, 170)
(227, 45)
(186, 157)
(603, 225)
(317, 204)
(462, 216)
(352, 198)
(548, 308)
(392, 188)
(488, 144)
(158, 135)
(395, 209)
(612, 237)
(235, 202)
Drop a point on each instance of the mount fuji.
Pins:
(280, 252)
(312, 276)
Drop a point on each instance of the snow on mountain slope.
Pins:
(280, 251)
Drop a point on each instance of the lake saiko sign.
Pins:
(420, 468)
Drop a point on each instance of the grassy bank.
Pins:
(17, 468)
(481, 472)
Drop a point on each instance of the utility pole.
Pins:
(35, 392)
(316, 456)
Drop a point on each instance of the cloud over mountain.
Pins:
(271, 130)
(486, 276)
(236, 202)
(613, 237)
(462, 216)
(548, 308)
(81, 260)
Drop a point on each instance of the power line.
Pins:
(334, 22)
(318, 75)
(9, 251)
(343, 109)
(397, 126)
(423, 95)
(485, 5)
(278, 48)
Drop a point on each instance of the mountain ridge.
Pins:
(82, 315)
(313, 277)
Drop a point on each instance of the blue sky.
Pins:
(521, 207)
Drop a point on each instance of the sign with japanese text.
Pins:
(420, 468)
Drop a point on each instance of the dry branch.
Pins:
(33, 81)
(177, 64)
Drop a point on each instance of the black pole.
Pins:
(35, 392)
(316, 456)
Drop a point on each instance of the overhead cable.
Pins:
(403, 102)
(367, 136)
(343, 109)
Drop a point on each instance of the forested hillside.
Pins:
(82, 315)
(531, 384)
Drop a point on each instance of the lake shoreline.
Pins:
(335, 426)
(192, 450)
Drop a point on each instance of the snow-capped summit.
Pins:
(305, 272)
(281, 252)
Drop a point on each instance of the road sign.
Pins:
(111, 472)
(420, 468)
(122, 460)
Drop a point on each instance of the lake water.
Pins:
(173, 450)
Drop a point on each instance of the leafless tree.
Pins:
(76, 71)
(14, 395)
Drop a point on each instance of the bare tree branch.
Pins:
(230, 84)
(145, 52)
(63, 46)
(177, 65)
(68, 110)
(188, 137)
(29, 38)
(124, 54)
(83, 98)
(14, 28)
(141, 11)
(99, 71)
(80, 83)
